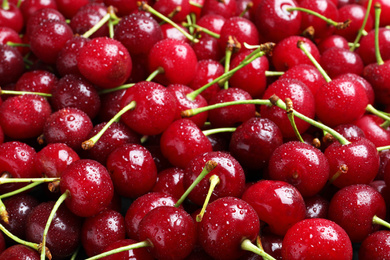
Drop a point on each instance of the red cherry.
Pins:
(367, 45)
(86, 17)
(11, 17)
(225, 9)
(385, 6)
(41, 16)
(171, 32)
(316, 207)
(29, 7)
(170, 181)
(134, 254)
(375, 246)
(370, 125)
(36, 81)
(19, 252)
(11, 65)
(364, 83)
(332, 41)
(378, 76)
(167, 7)
(70, 7)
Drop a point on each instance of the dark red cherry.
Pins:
(101, 230)
(176, 58)
(11, 17)
(274, 22)
(9, 35)
(254, 141)
(75, 91)
(41, 16)
(371, 126)
(375, 246)
(11, 64)
(48, 38)
(68, 125)
(207, 48)
(134, 254)
(332, 41)
(170, 181)
(132, 170)
(29, 7)
(272, 244)
(63, 236)
(182, 141)
(89, 185)
(24, 116)
(378, 76)
(170, 231)
(301, 165)
(281, 205)
(350, 131)
(110, 105)
(303, 101)
(286, 54)
(353, 208)
(86, 17)
(225, 9)
(167, 7)
(70, 7)
(316, 238)
(154, 111)
(316, 207)
(141, 206)
(229, 171)
(36, 81)
(367, 45)
(105, 62)
(20, 252)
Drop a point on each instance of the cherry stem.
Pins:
(88, 144)
(379, 60)
(97, 26)
(343, 169)
(18, 240)
(382, 148)
(111, 28)
(142, 244)
(125, 86)
(16, 92)
(195, 4)
(219, 130)
(189, 18)
(228, 55)
(31, 180)
(210, 165)
(301, 46)
(74, 256)
(152, 75)
(58, 203)
(3, 213)
(290, 115)
(16, 44)
(273, 73)
(214, 181)
(200, 29)
(378, 221)
(361, 30)
(380, 114)
(147, 8)
(12, 193)
(5, 5)
(247, 245)
(247, 8)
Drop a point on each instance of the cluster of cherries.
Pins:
(194, 129)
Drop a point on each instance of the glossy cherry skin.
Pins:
(370, 125)
(105, 62)
(340, 101)
(182, 141)
(9, 35)
(360, 157)
(170, 230)
(281, 205)
(170, 181)
(11, 64)
(36, 81)
(212, 22)
(19, 252)
(274, 22)
(229, 171)
(134, 254)
(301, 165)
(316, 239)
(110, 105)
(332, 41)
(28, 7)
(40, 16)
(354, 207)
(375, 246)
(286, 54)
(367, 45)
(141, 206)
(316, 207)
(251, 77)
(226, 223)
(68, 125)
(132, 170)
(53, 159)
(166, 7)
(63, 236)
(101, 230)
(11, 17)
(303, 101)
(67, 57)
(154, 111)
(364, 83)
(177, 58)
(350, 131)
(207, 48)
(378, 76)
(75, 91)
(337, 61)
(254, 141)
(171, 32)
(70, 7)
(90, 187)
(86, 17)
(226, 9)
(24, 116)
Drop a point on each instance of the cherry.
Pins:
(350, 131)
(177, 60)
(154, 111)
(359, 159)
(141, 206)
(226, 224)
(89, 185)
(375, 246)
(303, 101)
(11, 16)
(286, 55)
(41, 16)
(371, 126)
(170, 181)
(229, 171)
(86, 17)
(377, 74)
(367, 45)
(177, 10)
(29, 7)
(9, 35)
(274, 22)
(24, 116)
(271, 243)
(110, 105)
(68, 125)
(225, 9)
(11, 65)
(333, 41)
(212, 22)
(301, 165)
(316, 238)
(365, 84)
(132, 170)
(19, 252)
(384, 19)
(254, 141)
(36, 81)
(105, 62)
(101, 230)
(281, 204)
(134, 254)
(353, 208)
(70, 7)
(75, 91)
(316, 207)
(122, 7)
(48, 38)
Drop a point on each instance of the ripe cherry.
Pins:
(36, 81)
(11, 16)
(11, 65)
(170, 181)
(371, 126)
(40, 16)
(316, 207)
(86, 17)
(367, 45)
(226, 9)
(179, 8)
(375, 246)
(332, 41)
(70, 7)
(19, 252)
(28, 7)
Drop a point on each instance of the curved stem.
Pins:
(125, 86)
(316, 14)
(290, 115)
(380, 114)
(378, 56)
(12, 193)
(361, 30)
(379, 221)
(248, 246)
(219, 130)
(121, 249)
(214, 181)
(18, 240)
(152, 75)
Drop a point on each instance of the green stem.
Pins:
(125, 86)
(379, 221)
(382, 148)
(290, 115)
(378, 56)
(86, 145)
(31, 180)
(214, 181)
(16, 92)
(121, 249)
(5, 5)
(190, 23)
(273, 73)
(219, 130)
(195, 4)
(18, 240)
(58, 203)
(248, 246)
(210, 165)
(12, 193)
(301, 45)
(97, 26)
(316, 14)
(16, 44)
(202, 29)
(380, 114)
(19, 3)
(111, 28)
(228, 56)
(152, 75)
(247, 8)
(360, 32)
(74, 256)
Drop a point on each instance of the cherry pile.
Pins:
(195, 129)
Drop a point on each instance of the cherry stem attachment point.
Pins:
(290, 115)
(343, 169)
(361, 30)
(152, 75)
(142, 244)
(210, 165)
(247, 245)
(214, 181)
(34, 246)
(378, 221)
